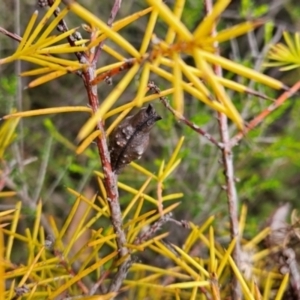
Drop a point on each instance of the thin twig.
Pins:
(107, 76)
(289, 256)
(112, 16)
(63, 27)
(110, 179)
(19, 145)
(121, 274)
(13, 36)
(155, 89)
(99, 284)
(65, 264)
(229, 175)
(259, 118)
(152, 229)
(257, 67)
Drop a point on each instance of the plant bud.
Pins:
(130, 139)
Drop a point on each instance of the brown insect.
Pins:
(130, 139)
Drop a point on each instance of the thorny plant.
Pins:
(203, 80)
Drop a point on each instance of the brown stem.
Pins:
(63, 27)
(155, 89)
(112, 16)
(110, 179)
(227, 158)
(153, 229)
(69, 269)
(13, 36)
(259, 118)
(107, 76)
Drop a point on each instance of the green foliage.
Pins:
(9, 84)
(191, 13)
(250, 8)
(7, 93)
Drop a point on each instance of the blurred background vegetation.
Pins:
(266, 162)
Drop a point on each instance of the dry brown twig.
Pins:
(13, 36)
(112, 16)
(227, 158)
(260, 117)
(155, 89)
(110, 179)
